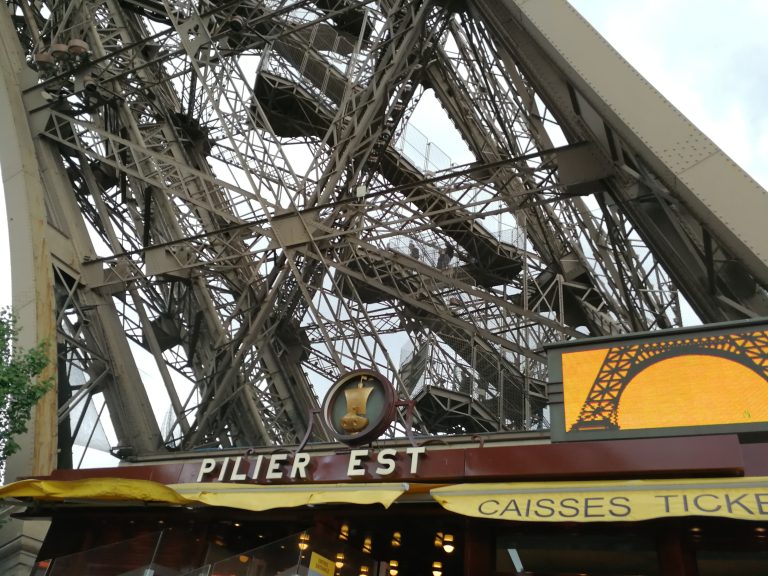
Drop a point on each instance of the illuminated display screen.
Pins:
(684, 381)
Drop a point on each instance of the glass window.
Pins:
(533, 551)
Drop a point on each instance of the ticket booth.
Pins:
(670, 478)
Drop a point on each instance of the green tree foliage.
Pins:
(19, 388)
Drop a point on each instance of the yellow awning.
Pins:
(608, 501)
(101, 489)
(258, 498)
(245, 496)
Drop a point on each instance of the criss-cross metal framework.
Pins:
(230, 194)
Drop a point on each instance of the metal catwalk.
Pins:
(222, 206)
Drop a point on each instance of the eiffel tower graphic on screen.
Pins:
(623, 363)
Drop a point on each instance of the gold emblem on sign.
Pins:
(355, 419)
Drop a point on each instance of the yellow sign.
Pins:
(355, 419)
(609, 501)
(359, 407)
(679, 381)
(320, 565)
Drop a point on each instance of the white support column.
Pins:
(32, 284)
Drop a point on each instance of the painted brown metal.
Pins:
(755, 459)
(642, 458)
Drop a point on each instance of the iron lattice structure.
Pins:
(233, 197)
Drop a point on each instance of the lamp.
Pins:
(303, 541)
(89, 83)
(344, 532)
(340, 560)
(437, 569)
(236, 23)
(367, 545)
(448, 544)
(438, 539)
(60, 51)
(44, 61)
(77, 47)
(396, 539)
(393, 564)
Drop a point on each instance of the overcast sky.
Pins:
(709, 58)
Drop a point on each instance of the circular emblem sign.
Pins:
(359, 407)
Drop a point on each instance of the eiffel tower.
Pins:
(219, 207)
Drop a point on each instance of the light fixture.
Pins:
(236, 23)
(340, 560)
(448, 544)
(77, 47)
(303, 541)
(367, 545)
(396, 539)
(393, 564)
(44, 60)
(438, 539)
(243, 558)
(344, 532)
(363, 570)
(60, 51)
(437, 568)
(89, 83)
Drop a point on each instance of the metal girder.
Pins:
(667, 176)
(234, 199)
